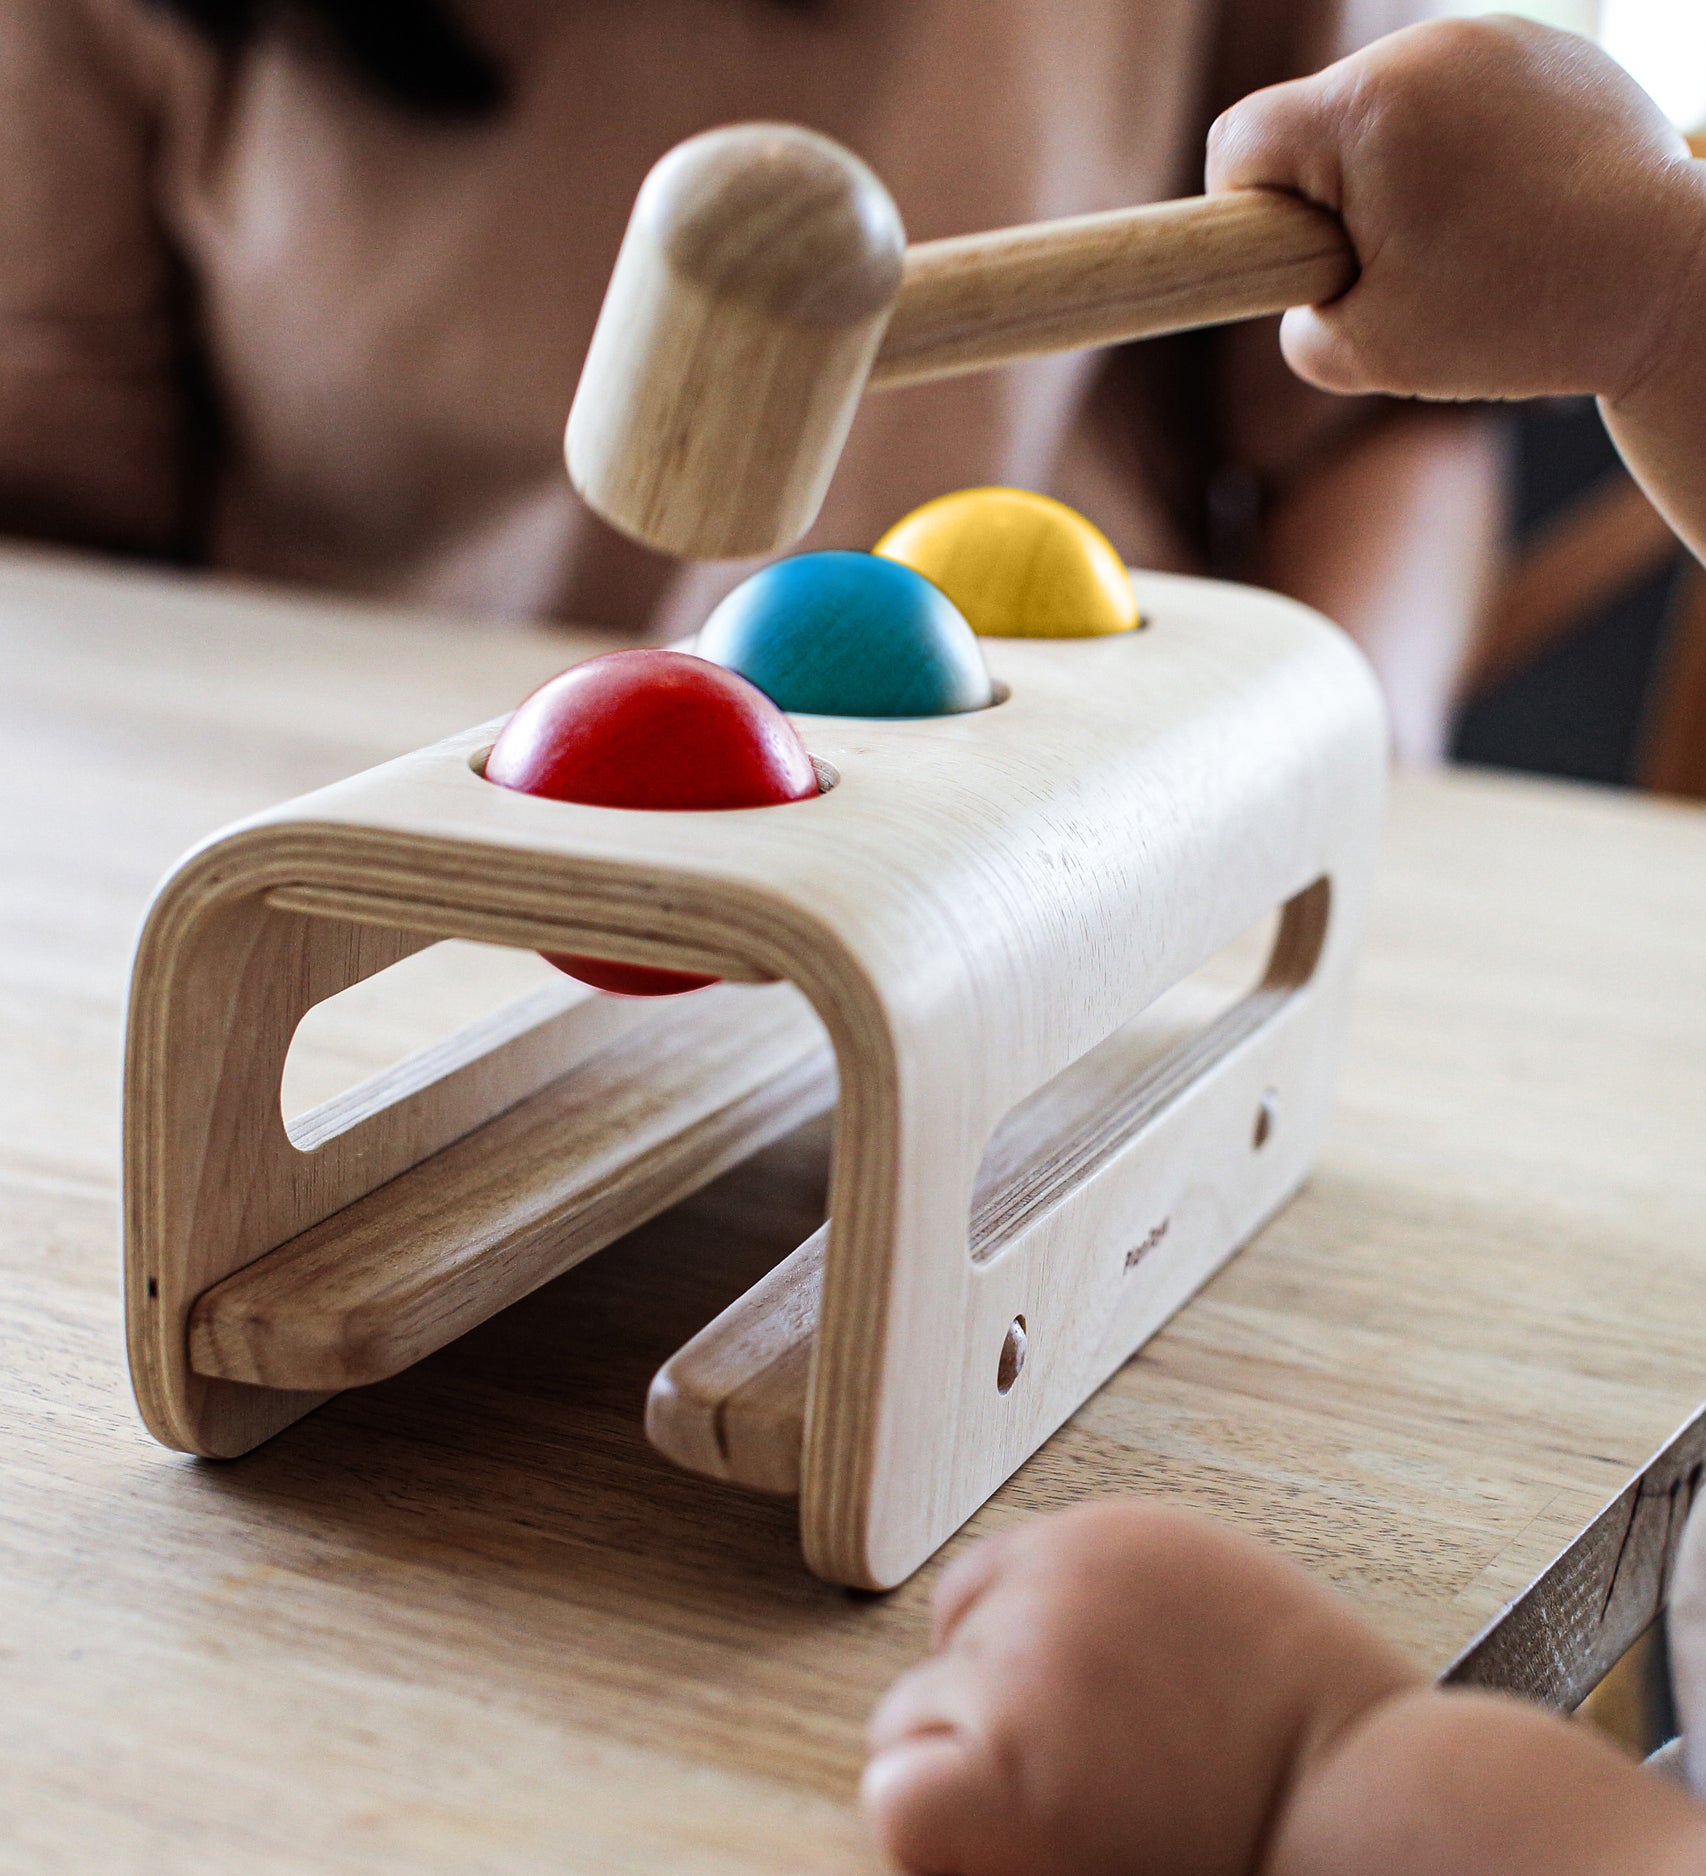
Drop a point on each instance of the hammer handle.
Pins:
(1091, 280)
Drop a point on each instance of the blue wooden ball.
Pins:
(849, 635)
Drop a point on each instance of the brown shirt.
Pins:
(254, 317)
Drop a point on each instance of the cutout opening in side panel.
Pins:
(731, 1402)
(408, 1026)
(1059, 1136)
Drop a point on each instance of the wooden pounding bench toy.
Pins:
(954, 926)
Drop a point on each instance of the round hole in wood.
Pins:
(828, 775)
(1012, 1360)
(1267, 1118)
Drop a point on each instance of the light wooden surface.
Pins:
(664, 1099)
(972, 301)
(762, 270)
(751, 291)
(730, 1403)
(979, 912)
(466, 1621)
(735, 1402)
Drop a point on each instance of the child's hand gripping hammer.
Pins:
(765, 280)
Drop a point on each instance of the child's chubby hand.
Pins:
(1118, 1688)
(1527, 221)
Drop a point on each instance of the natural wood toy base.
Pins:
(968, 928)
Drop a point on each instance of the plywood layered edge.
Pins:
(225, 969)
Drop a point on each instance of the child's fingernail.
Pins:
(897, 1772)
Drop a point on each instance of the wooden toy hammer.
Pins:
(765, 280)
(970, 942)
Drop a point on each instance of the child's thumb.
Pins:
(1318, 349)
(1287, 137)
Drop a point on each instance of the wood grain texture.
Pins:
(662, 1107)
(223, 974)
(467, 1620)
(1578, 1619)
(973, 301)
(762, 270)
(747, 302)
(980, 901)
(732, 1404)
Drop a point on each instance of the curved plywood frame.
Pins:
(978, 903)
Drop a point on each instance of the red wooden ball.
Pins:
(650, 729)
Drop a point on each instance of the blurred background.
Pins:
(1593, 664)
(274, 302)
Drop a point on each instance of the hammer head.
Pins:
(748, 301)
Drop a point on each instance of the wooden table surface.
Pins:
(465, 1621)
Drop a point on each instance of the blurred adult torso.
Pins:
(314, 338)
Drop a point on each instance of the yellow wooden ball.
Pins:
(1017, 565)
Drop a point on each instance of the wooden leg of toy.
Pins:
(211, 1179)
(1092, 1245)
(1164, 1148)
(557, 1129)
(731, 1403)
